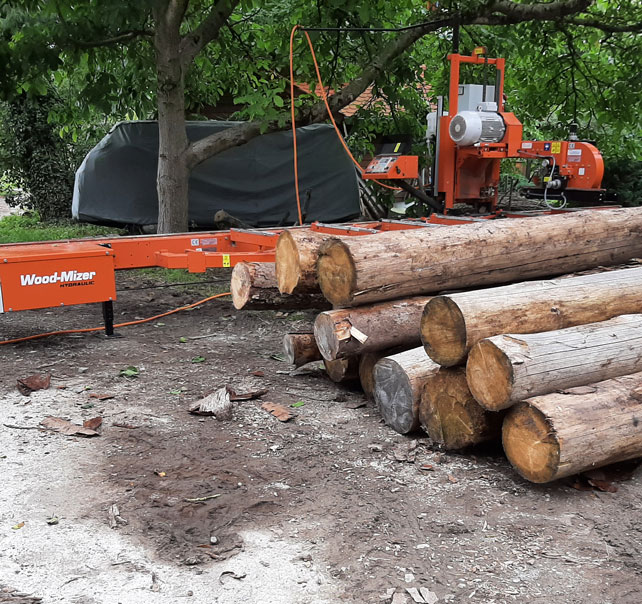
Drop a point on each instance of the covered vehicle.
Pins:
(116, 182)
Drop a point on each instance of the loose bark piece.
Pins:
(385, 325)
(253, 286)
(451, 416)
(342, 370)
(506, 369)
(217, 403)
(57, 424)
(399, 264)
(557, 435)
(297, 251)
(300, 348)
(451, 325)
(34, 382)
(398, 384)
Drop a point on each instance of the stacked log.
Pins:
(451, 325)
(560, 434)
(300, 348)
(363, 270)
(254, 287)
(507, 369)
(342, 370)
(398, 385)
(451, 416)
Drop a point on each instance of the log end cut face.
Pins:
(530, 443)
(394, 396)
(240, 285)
(490, 376)
(336, 273)
(326, 337)
(443, 332)
(288, 263)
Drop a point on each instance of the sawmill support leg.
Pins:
(108, 316)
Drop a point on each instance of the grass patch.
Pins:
(29, 227)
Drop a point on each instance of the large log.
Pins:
(451, 416)
(452, 325)
(297, 251)
(398, 384)
(507, 369)
(254, 287)
(399, 264)
(342, 370)
(367, 363)
(385, 325)
(556, 435)
(300, 348)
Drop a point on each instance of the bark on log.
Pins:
(254, 287)
(300, 348)
(422, 261)
(343, 370)
(452, 325)
(451, 416)
(504, 370)
(398, 385)
(557, 435)
(367, 362)
(386, 325)
(296, 260)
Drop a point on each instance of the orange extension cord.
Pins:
(324, 96)
(137, 322)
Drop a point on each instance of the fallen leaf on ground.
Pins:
(94, 423)
(53, 521)
(18, 526)
(217, 403)
(57, 424)
(101, 397)
(452, 479)
(130, 372)
(427, 467)
(245, 396)
(128, 426)
(198, 359)
(297, 404)
(34, 382)
(258, 373)
(279, 411)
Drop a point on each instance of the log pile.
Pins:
(547, 367)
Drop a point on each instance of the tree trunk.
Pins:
(451, 416)
(507, 369)
(297, 251)
(452, 324)
(556, 435)
(343, 370)
(253, 286)
(398, 384)
(399, 264)
(300, 348)
(173, 173)
(386, 325)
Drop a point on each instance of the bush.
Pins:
(40, 164)
(623, 176)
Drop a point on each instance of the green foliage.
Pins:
(623, 176)
(29, 227)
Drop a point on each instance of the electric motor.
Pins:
(471, 127)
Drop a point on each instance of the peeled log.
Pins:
(398, 384)
(421, 261)
(254, 287)
(507, 369)
(557, 435)
(300, 348)
(452, 325)
(297, 251)
(451, 416)
(385, 325)
(342, 370)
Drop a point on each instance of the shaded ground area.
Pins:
(330, 507)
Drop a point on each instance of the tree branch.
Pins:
(208, 30)
(200, 150)
(611, 28)
(127, 36)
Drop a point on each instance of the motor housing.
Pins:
(471, 127)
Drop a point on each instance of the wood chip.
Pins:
(283, 414)
(217, 403)
(430, 597)
(245, 396)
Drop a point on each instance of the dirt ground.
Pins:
(330, 507)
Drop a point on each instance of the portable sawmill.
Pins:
(473, 136)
